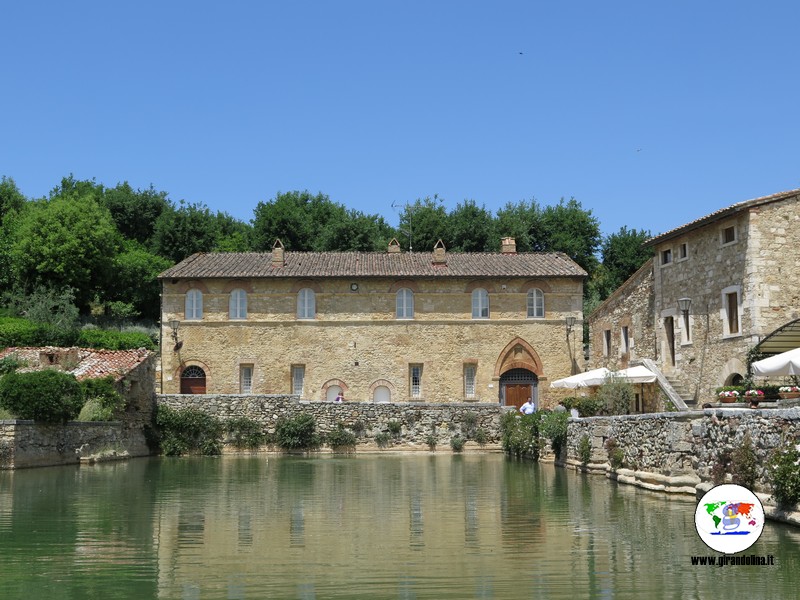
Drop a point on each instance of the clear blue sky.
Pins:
(651, 114)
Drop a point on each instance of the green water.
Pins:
(386, 526)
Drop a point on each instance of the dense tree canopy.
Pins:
(107, 245)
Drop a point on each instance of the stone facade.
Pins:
(417, 420)
(738, 268)
(355, 342)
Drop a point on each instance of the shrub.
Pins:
(297, 433)
(554, 427)
(615, 456)
(103, 400)
(394, 427)
(111, 339)
(470, 420)
(48, 396)
(383, 440)
(480, 436)
(585, 449)
(189, 430)
(587, 406)
(520, 434)
(617, 395)
(457, 443)
(430, 439)
(244, 433)
(10, 363)
(358, 427)
(341, 438)
(22, 332)
(744, 463)
(721, 467)
(785, 476)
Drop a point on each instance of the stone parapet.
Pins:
(418, 420)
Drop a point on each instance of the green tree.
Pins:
(356, 232)
(11, 199)
(234, 235)
(135, 280)
(568, 228)
(622, 254)
(296, 218)
(67, 241)
(522, 221)
(471, 228)
(183, 231)
(135, 212)
(423, 223)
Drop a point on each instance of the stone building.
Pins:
(737, 275)
(376, 326)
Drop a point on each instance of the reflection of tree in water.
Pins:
(522, 506)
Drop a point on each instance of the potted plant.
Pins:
(754, 395)
(728, 396)
(789, 391)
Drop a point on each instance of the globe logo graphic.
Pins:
(729, 518)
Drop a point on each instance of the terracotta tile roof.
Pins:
(720, 214)
(374, 264)
(91, 363)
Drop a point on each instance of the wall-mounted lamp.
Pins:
(354, 287)
(174, 324)
(684, 304)
(570, 321)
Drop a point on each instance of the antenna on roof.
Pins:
(409, 209)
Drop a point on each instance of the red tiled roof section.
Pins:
(91, 363)
(374, 264)
(720, 214)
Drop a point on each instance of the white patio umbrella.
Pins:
(581, 379)
(784, 364)
(637, 374)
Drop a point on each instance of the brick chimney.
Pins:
(278, 259)
(394, 246)
(438, 254)
(508, 245)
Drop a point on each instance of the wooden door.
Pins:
(517, 394)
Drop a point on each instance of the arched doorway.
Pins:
(332, 392)
(517, 385)
(193, 380)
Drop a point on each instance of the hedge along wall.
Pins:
(675, 452)
(417, 420)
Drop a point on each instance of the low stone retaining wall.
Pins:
(417, 419)
(675, 452)
(26, 444)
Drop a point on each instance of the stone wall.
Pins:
(25, 444)
(356, 342)
(675, 452)
(418, 420)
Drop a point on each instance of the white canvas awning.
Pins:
(581, 379)
(780, 365)
(638, 374)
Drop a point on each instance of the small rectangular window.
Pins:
(732, 307)
(666, 256)
(624, 339)
(729, 235)
(683, 251)
(298, 377)
(415, 380)
(469, 381)
(246, 379)
(606, 342)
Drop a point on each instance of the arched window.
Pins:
(535, 304)
(306, 304)
(193, 380)
(382, 394)
(237, 305)
(332, 392)
(405, 304)
(194, 305)
(480, 304)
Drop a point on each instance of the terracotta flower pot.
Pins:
(728, 399)
(789, 395)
